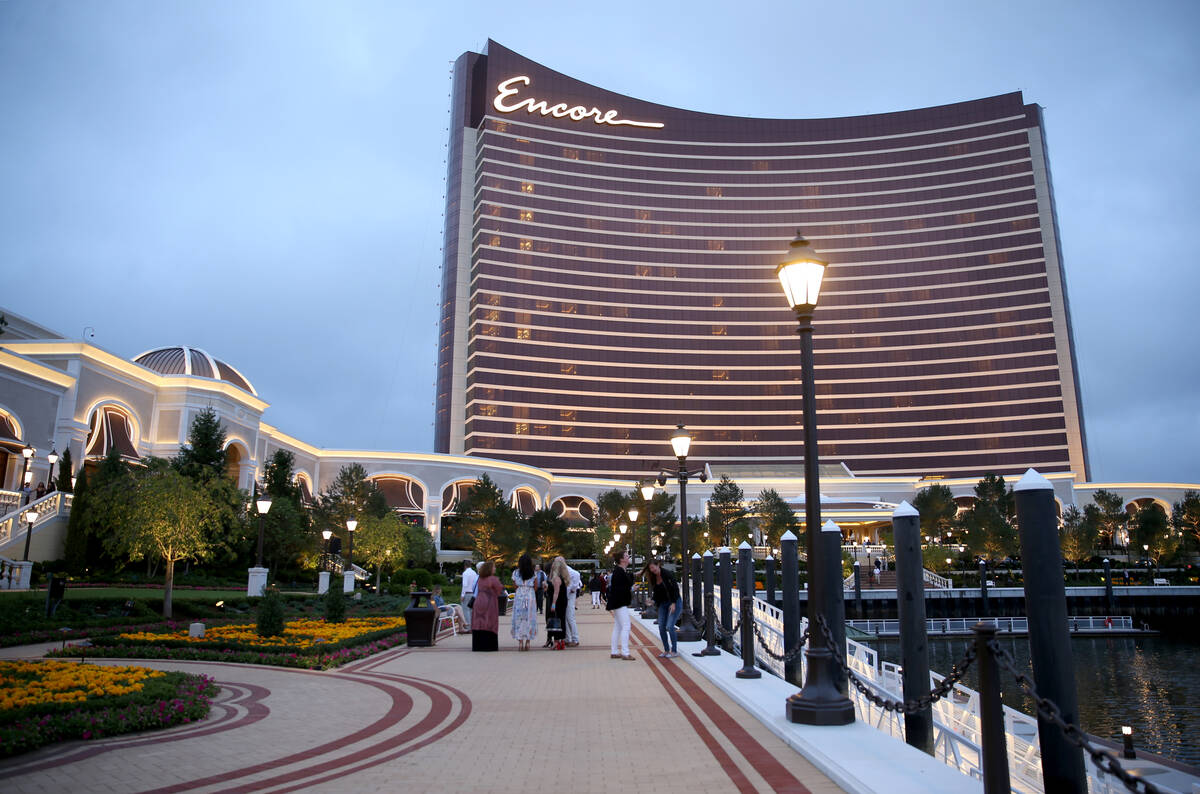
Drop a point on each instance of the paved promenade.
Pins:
(444, 719)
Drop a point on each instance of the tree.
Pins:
(76, 546)
(287, 529)
(100, 507)
(202, 460)
(350, 496)
(203, 455)
(496, 530)
(171, 519)
(547, 533)
(775, 517)
(66, 468)
(1150, 527)
(937, 507)
(726, 509)
(1185, 519)
(1077, 535)
(988, 523)
(379, 541)
(419, 548)
(1112, 515)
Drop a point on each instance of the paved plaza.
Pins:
(444, 719)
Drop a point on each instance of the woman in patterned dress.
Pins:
(524, 616)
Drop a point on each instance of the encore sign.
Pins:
(561, 110)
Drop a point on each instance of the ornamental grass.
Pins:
(306, 643)
(46, 702)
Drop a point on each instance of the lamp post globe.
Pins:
(820, 702)
(351, 525)
(26, 455)
(52, 458)
(29, 517)
(263, 504)
(681, 444)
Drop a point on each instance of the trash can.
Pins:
(421, 621)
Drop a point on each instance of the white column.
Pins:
(348, 582)
(323, 583)
(257, 582)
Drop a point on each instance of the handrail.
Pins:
(891, 628)
(937, 581)
(48, 508)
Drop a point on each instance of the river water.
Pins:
(1149, 683)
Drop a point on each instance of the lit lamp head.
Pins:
(264, 504)
(621, 529)
(648, 491)
(351, 524)
(800, 275)
(681, 442)
(633, 513)
(326, 534)
(30, 516)
(52, 457)
(28, 452)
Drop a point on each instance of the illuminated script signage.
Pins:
(504, 104)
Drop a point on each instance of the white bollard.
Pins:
(196, 630)
(323, 583)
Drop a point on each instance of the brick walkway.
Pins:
(444, 719)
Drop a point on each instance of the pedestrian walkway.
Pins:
(444, 719)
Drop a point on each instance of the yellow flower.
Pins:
(31, 683)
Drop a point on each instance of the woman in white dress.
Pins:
(524, 616)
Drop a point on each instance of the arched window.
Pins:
(574, 508)
(455, 492)
(403, 494)
(111, 428)
(525, 500)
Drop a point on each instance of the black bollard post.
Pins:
(726, 577)
(858, 610)
(983, 596)
(1049, 641)
(697, 594)
(1108, 591)
(746, 593)
(993, 746)
(914, 637)
(710, 622)
(769, 575)
(790, 574)
(834, 602)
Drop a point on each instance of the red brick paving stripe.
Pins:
(735, 774)
(775, 773)
(400, 708)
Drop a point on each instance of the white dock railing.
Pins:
(956, 724)
(891, 628)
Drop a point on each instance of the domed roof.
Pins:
(182, 360)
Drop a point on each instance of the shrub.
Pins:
(270, 614)
(422, 578)
(440, 579)
(335, 605)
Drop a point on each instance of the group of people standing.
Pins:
(556, 592)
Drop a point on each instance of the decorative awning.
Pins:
(111, 429)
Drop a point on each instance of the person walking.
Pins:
(556, 603)
(574, 585)
(670, 606)
(596, 587)
(469, 580)
(539, 587)
(620, 594)
(485, 620)
(524, 616)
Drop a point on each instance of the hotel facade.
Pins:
(608, 273)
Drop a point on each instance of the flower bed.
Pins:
(46, 702)
(311, 644)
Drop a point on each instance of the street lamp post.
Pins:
(27, 454)
(53, 458)
(681, 442)
(326, 534)
(820, 702)
(256, 584)
(263, 503)
(647, 491)
(348, 574)
(30, 516)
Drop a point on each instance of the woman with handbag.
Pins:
(485, 617)
(669, 603)
(556, 606)
(524, 616)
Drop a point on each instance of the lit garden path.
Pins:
(444, 719)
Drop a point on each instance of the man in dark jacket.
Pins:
(620, 593)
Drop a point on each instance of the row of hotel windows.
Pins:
(1056, 443)
(662, 363)
(746, 173)
(604, 332)
(977, 221)
(738, 435)
(564, 344)
(1017, 387)
(576, 192)
(873, 186)
(861, 154)
(700, 423)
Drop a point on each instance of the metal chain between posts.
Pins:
(787, 656)
(1105, 761)
(943, 688)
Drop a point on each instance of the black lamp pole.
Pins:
(680, 443)
(27, 454)
(819, 702)
(30, 516)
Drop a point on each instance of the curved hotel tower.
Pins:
(609, 273)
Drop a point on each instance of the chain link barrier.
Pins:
(943, 688)
(1048, 710)
(787, 657)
